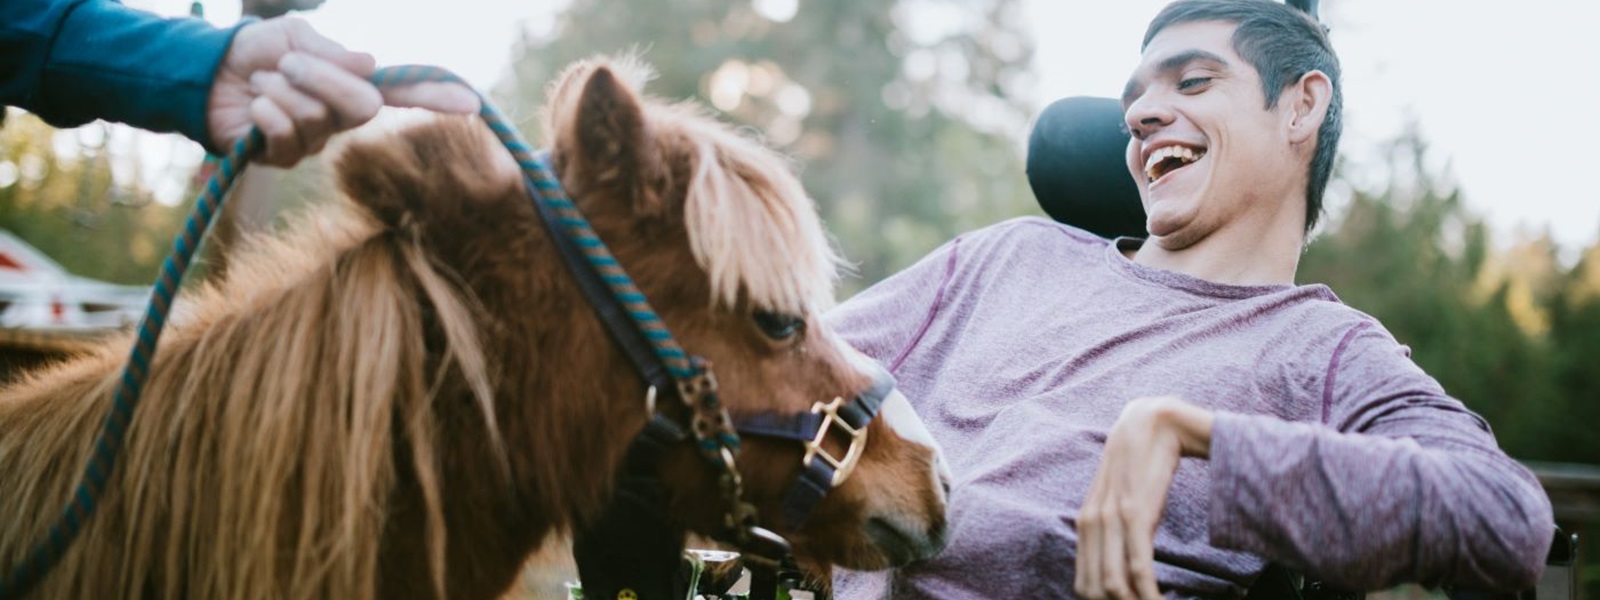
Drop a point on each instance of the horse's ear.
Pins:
(604, 140)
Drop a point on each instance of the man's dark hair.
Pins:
(1282, 43)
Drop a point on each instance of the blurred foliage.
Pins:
(66, 203)
(1505, 328)
(903, 127)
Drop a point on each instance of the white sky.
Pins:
(1500, 88)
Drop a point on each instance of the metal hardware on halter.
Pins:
(858, 442)
(764, 549)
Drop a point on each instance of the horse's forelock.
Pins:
(753, 228)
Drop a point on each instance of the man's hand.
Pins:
(301, 88)
(1117, 524)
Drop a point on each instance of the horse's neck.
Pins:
(569, 399)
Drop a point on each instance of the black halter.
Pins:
(634, 545)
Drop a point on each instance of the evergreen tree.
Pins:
(1575, 335)
(1509, 332)
(1413, 256)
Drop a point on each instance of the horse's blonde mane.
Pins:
(751, 225)
(754, 229)
(261, 462)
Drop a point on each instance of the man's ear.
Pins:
(1305, 104)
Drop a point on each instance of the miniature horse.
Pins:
(405, 394)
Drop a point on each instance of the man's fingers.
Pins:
(1091, 525)
(352, 99)
(1141, 558)
(433, 95)
(303, 38)
(1114, 553)
(283, 145)
(312, 121)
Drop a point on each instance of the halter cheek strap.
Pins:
(607, 307)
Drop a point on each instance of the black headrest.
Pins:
(1077, 170)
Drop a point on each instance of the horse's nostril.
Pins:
(892, 541)
(938, 536)
(903, 545)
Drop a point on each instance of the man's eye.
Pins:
(1193, 82)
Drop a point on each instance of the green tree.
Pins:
(1507, 329)
(1414, 257)
(69, 205)
(897, 116)
(1575, 334)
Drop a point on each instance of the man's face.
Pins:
(1205, 153)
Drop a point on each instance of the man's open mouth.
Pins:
(1168, 159)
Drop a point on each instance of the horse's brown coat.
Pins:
(404, 395)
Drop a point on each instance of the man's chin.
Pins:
(1169, 233)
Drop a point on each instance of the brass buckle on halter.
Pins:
(842, 468)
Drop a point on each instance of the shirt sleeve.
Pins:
(888, 319)
(74, 61)
(1402, 484)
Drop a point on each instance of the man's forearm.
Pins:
(1369, 511)
(109, 61)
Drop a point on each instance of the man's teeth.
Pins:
(1182, 153)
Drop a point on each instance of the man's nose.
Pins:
(1145, 115)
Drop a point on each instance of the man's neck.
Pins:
(1240, 254)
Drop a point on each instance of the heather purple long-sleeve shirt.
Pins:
(1332, 453)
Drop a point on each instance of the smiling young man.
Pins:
(1135, 418)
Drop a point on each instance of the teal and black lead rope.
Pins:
(572, 222)
(541, 176)
(85, 498)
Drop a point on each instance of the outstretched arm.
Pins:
(73, 61)
(1403, 484)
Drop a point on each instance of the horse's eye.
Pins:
(779, 326)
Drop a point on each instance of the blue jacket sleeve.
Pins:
(73, 61)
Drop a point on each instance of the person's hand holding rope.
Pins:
(300, 88)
